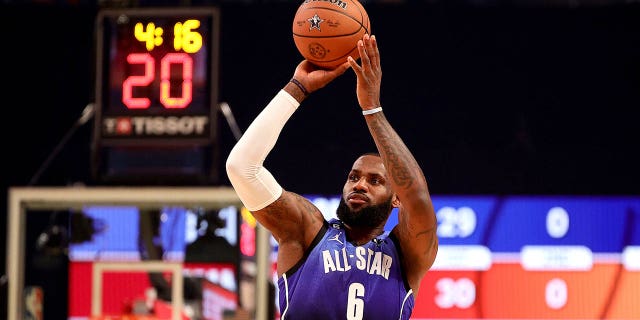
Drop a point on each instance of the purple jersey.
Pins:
(338, 280)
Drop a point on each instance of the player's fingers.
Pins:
(354, 65)
(364, 57)
(374, 53)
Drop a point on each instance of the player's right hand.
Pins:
(313, 77)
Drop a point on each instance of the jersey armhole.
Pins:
(396, 243)
(314, 243)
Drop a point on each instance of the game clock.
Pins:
(156, 95)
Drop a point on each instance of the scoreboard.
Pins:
(156, 94)
(530, 257)
(500, 257)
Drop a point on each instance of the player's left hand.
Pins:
(368, 73)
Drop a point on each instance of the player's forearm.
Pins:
(406, 174)
(255, 186)
(417, 223)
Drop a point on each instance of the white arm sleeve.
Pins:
(254, 184)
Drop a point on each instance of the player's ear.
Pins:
(395, 201)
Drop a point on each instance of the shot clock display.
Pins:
(156, 92)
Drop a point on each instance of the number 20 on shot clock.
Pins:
(156, 76)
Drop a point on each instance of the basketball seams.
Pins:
(363, 14)
(325, 37)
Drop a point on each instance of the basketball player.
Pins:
(348, 268)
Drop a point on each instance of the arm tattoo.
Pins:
(277, 208)
(290, 201)
(398, 159)
(307, 206)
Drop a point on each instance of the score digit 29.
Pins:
(157, 75)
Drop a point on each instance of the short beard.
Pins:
(368, 217)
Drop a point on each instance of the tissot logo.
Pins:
(155, 126)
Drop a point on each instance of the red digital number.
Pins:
(138, 81)
(149, 75)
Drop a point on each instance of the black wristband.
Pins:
(302, 88)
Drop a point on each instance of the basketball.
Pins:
(326, 32)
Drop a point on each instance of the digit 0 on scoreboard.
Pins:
(156, 90)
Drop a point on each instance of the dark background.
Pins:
(492, 97)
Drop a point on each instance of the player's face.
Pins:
(366, 196)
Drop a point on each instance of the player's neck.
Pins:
(360, 236)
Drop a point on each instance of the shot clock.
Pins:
(156, 95)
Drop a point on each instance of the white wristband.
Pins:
(371, 111)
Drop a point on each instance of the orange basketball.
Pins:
(326, 32)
